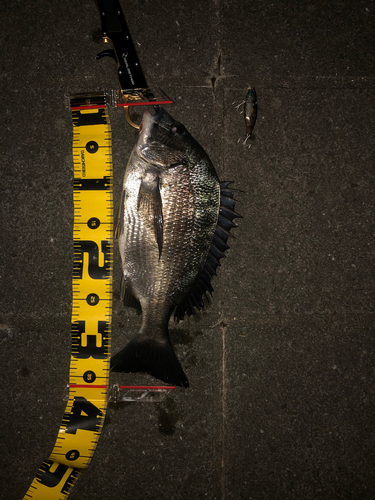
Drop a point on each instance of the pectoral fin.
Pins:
(150, 205)
(119, 219)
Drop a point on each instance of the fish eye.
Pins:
(177, 129)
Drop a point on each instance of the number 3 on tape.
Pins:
(92, 302)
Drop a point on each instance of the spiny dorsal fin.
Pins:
(194, 298)
(150, 203)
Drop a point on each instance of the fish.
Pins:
(172, 226)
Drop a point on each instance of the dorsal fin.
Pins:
(194, 298)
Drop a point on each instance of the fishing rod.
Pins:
(134, 90)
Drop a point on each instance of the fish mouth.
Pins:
(155, 133)
(159, 114)
(148, 119)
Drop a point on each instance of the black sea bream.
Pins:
(173, 226)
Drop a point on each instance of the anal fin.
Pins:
(128, 297)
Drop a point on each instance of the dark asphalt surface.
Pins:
(281, 365)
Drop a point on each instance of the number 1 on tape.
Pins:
(92, 302)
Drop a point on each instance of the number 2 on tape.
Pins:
(92, 304)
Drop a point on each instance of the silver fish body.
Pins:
(167, 221)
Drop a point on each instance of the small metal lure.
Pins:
(250, 111)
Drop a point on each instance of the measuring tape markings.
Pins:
(83, 419)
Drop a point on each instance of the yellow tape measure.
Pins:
(92, 302)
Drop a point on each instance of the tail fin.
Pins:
(156, 358)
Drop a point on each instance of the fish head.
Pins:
(163, 141)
